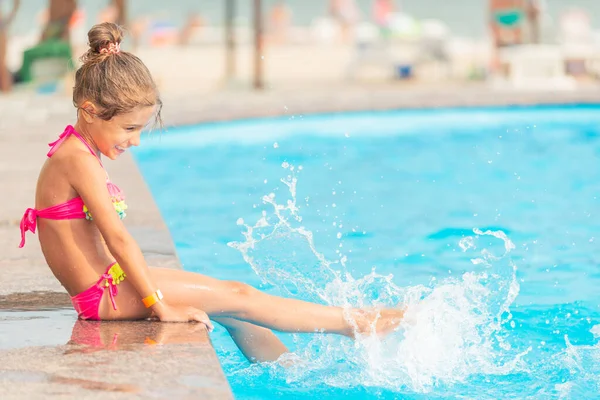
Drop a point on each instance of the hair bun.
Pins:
(104, 34)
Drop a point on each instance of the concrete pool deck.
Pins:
(108, 360)
(36, 321)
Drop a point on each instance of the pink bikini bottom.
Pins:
(87, 303)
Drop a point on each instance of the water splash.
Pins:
(582, 363)
(453, 330)
(299, 271)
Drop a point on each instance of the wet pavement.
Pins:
(50, 353)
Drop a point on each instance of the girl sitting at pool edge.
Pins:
(87, 247)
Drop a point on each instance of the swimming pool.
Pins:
(483, 221)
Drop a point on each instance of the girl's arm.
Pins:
(89, 180)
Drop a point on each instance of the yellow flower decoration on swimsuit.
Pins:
(117, 273)
(118, 204)
(120, 208)
(88, 216)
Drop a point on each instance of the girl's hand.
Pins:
(168, 313)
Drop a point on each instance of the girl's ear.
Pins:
(89, 111)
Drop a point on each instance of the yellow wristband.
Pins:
(152, 299)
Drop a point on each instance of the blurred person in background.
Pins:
(280, 19)
(534, 11)
(346, 14)
(193, 25)
(6, 77)
(513, 23)
(382, 13)
(507, 21)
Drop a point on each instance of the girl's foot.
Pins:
(365, 322)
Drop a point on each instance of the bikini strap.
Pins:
(69, 130)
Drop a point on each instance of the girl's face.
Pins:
(116, 135)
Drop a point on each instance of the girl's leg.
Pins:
(242, 302)
(239, 301)
(258, 344)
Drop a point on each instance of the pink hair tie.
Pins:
(112, 48)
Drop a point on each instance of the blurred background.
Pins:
(207, 45)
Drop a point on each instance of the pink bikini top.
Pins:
(74, 208)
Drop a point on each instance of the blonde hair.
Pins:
(115, 81)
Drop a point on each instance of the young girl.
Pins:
(79, 211)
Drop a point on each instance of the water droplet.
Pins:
(339, 235)
(240, 221)
(265, 181)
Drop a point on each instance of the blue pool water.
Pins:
(483, 221)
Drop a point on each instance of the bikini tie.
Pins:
(109, 283)
(53, 145)
(28, 223)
